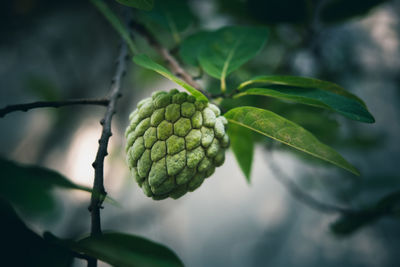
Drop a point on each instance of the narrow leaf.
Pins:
(303, 82)
(120, 249)
(230, 48)
(346, 106)
(145, 62)
(116, 23)
(242, 145)
(140, 4)
(29, 187)
(276, 127)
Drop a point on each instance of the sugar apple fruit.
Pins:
(174, 142)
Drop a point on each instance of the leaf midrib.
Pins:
(303, 150)
(227, 62)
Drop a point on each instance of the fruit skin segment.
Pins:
(174, 142)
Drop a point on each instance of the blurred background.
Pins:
(55, 50)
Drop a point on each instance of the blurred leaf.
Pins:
(116, 23)
(30, 187)
(287, 132)
(339, 10)
(140, 4)
(191, 47)
(242, 145)
(230, 48)
(22, 247)
(303, 82)
(120, 249)
(351, 222)
(174, 15)
(145, 62)
(348, 107)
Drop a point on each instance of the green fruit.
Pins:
(174, 142)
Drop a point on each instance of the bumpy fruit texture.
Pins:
(174, 142)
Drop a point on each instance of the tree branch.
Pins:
(98, 165)
(173, 63)
(52, 104)
(302, 196)
(99, 192)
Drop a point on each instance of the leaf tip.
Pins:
(371, 118)
(248, 179)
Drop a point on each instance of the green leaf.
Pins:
(303, 82)
(30, 187)
(276, 127)
(120, 249)
(191, 47)
(348, 107)
(116, 23)
(173, 15)
(230, 48)
(140, 4)
(145, 62)
(22, 247)
(242, 145)
(321, 124)
(351, 222)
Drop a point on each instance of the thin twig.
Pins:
(299, 194)
(52, 104)
(98, 164)
(99, 192)
(173, 63)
